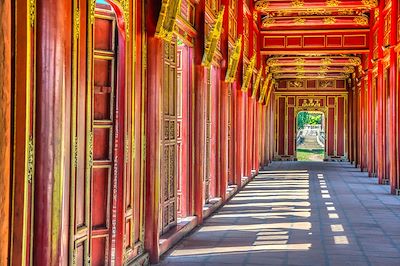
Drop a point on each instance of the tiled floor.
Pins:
(300, 213)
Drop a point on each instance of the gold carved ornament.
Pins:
(370, 3)
(264, 88)
(326, 83)
(248, 74)
(268, 22)
(299, 21)
(272, 62)
(329, 20)
(300, 61)
(32, 12)
(311, 103)
(262, 5)
(296, 84)
(355, 61)
(124, 4)
(345, 12)
(234, 61)
(297, 3)
(212, 39)
(257, 83)
(273, 82)
(361, 20)
(167, 19)
(326, 61)
(332, 3)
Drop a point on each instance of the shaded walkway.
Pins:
(300, 213)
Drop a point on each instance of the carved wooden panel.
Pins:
(103, 171)
(169, 138)
(314, 40)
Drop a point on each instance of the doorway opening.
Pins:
(310, 137)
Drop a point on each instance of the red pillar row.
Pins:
(377, 105)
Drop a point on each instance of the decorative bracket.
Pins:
(270, 91)
(212, 39)
(234, 61)
(257, 83)
(167, 19)
(248, 74)
(264, 88)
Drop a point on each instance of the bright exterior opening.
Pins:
(310, 138)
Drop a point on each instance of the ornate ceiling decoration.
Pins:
(301, 5)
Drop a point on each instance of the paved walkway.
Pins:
(300, 213)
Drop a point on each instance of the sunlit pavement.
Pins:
(300, 213)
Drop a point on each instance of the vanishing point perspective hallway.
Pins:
(299, 213)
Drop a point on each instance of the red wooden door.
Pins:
(169, 138)
(107, 122)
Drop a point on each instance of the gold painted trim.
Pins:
(212, 39)
(167, 19)
(248, 74)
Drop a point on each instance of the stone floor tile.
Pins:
(299, 213)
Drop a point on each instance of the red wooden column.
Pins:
(222, 168)
(239, 108)
(381, 100)
(393, 110)
(153, 149)
(199, 115)
(52, 163)
(370, 117)
(5, 126)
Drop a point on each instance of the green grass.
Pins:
(310, 155)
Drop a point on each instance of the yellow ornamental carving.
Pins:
(234, 61)
(272, 62)
(268, 22)
(299, 68)
(332, 3)
(361, 20)
(276, 69)
(167, 19)
(212, 39)
(296, 84)
(264, 88)
(326, 61)
(355, 61)
(273, 82)
(348, 69)
(257, 83)
(370, 3)
(311, 103)
(248, 74)
(345, 12)
(299, 61)
(324, 68)
(299, 21)
(326, 83)
(329, 20)
(297, 3)
(262, 5)
(124, 4)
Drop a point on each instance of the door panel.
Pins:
(103, 173)
(169, 141)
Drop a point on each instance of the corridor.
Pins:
(300, 213)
